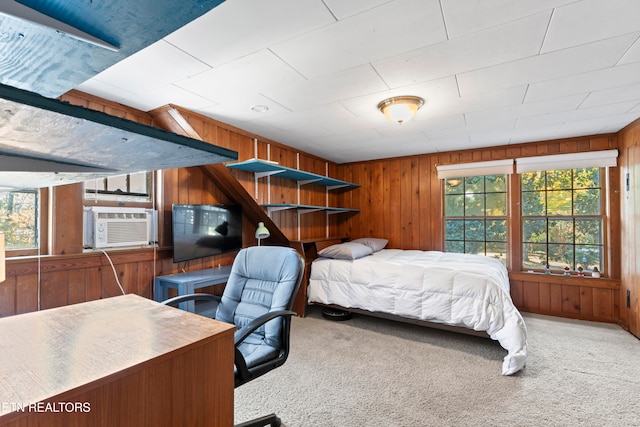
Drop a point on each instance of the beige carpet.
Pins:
(373, 372)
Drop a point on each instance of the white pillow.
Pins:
(376, 244)
(347, 250)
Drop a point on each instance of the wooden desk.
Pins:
(188, 282)
(121, 361)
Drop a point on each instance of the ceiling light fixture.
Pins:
(399, 109)
(259, 108)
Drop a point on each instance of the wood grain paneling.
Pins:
(629, 301)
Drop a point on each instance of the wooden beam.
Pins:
(169, 118)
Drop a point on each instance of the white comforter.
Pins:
(471, 291)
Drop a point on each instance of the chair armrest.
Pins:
(182, 298)
(242, 334)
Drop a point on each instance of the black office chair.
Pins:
(258, 299)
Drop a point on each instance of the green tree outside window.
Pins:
(476, 215)
(562, 223)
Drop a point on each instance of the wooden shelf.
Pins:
(302, 209)
(266, 168)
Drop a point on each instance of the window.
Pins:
(130, 187)
(19, 213)
(562, 219)
(476, 215)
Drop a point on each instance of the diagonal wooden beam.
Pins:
(169, 118)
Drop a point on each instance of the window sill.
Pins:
(574, 280)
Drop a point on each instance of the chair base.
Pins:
(270, 420)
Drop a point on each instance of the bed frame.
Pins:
(325, 243)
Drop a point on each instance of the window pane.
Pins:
(534, 230)
(454, 229)
(476, 248)
(587, 202)
(138, 182)
(559, 180)
(497, 230)
(570, 194)
(496, 204)
(454, 246)
(497, 250)
(454, 186)
(474, 229)
(474, 205)
(454, 205)
(19, 219)
(533, 181)
(560, 255)
(589, 257)
(135, 187)
(117, 183)
(561, 231)
(534, 255)
(533, 204)
(586, 178)
(496, 183)
(559, 202)
(588, 231)
(474, 184)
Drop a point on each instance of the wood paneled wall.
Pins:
(401, 200)
(630, 226)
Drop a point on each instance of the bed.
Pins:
(456, 290)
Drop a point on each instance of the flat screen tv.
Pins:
(205, 230)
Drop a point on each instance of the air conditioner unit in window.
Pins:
(109, 227)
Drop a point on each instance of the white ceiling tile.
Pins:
(329, 88)
(104, 90)
(343, 9)
(587, 21)
(164, 95)
(490, 139)
(364, 38)
(496, 99)
(536, 133)
(237, 28)
(552, 65)
(469, 16)
(612, 96)
(238, 109)
(255, 73)
(597, 125)
(155, 66)
(576, 115)
(508, 42)
(632, 55)
(607, 78)
(524, 110)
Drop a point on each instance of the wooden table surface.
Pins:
(68, 354)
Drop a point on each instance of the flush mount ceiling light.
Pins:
(259, 108)
(399, 109)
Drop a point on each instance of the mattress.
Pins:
(463, 290)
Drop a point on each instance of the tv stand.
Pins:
(188, 282)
